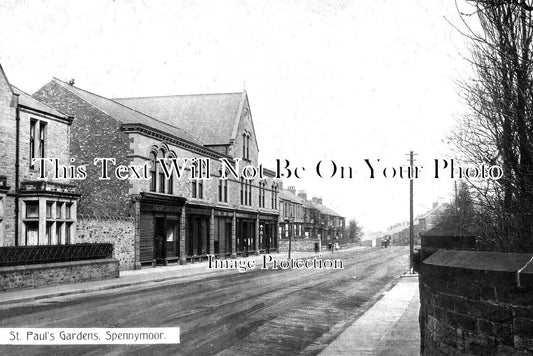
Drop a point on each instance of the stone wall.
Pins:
(118, 231)
(475, 303)
(298, 245)
(49, 274)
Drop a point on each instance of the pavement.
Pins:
(389, 327)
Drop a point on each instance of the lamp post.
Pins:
(291, 220)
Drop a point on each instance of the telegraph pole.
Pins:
(411, 226)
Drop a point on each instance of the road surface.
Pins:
(260, 312)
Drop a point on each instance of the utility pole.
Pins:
(411, 226)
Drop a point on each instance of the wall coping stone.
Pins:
(481, 260)
(44, 266)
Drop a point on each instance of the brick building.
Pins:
(303, 218)
(33, 211)
(175, 218)
(291, 222)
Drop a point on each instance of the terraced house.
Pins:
(33, 212)
(173, 219)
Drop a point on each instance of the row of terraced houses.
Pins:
(159, 220)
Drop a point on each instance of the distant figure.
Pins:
(316, 247)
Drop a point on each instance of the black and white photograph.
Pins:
(242, 177)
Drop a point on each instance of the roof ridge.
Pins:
(175, 95)
(129, 108)
(39, 101)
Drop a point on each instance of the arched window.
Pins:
(170, 186)
(153, 171)
(161, 179)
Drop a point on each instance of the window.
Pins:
(59, 228)
(153, 171)
(223, 190)
(261, 200)
(59, 207)
(32, 233)
(33, 124)
(68, 211)
(49, 208)
(162, 180)
(197, 189)
(246, 145)
(249, 192)
(32, 209)
(242, 191)
(274, 197)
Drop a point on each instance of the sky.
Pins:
(337, 80)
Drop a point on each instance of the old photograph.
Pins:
(241, 177)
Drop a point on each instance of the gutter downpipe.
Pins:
(17, 165)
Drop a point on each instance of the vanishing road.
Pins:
(260, 312)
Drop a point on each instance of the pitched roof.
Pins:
(448, 228)
(288, 195)
(325, 210)
(320, 207)
(32, 103)
(211, 118)
(124, 114)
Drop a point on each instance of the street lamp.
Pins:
(291, 221)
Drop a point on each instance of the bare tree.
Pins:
(499, 127)
(353, 230)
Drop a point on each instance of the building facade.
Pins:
(178, 215)
(34, 211)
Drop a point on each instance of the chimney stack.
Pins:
(317, 200)
(302, 194)
(292, 189)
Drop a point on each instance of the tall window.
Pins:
(197, 188)
(161, 174)
(242, 191)
(153, 171)
(170, 184)
(37, 139)
(274, 196)
(250, 192)
(246, 145)
(260, 197)
(223, 190)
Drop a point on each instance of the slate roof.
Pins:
(32, 103)
(125, 114)
(211, 118)
(288, 195)
(448, 229)
(325, 210)
(320, 207)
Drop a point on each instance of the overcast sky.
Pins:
(327, 80)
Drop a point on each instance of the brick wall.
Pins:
(118, 231)
(472, 303)
(35, 276)
(299, 245)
